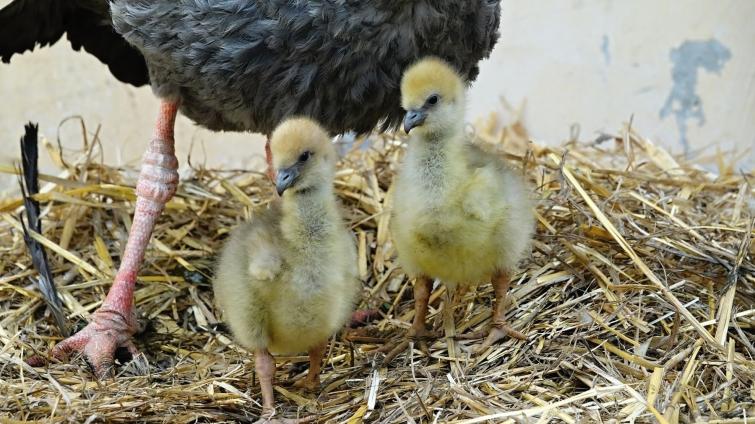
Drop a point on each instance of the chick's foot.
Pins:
(311, 383)
(111, 328)
(419, 336)
(308, 384)
(422, 288)
(498, 332)
(268, 417)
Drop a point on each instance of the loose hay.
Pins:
(638, 299)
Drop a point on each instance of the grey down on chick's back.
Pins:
(246, 65)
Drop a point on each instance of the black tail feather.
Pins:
(29, 181)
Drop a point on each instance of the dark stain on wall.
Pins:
(683, 102)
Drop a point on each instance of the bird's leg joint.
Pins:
(158, 178)
(114, 321)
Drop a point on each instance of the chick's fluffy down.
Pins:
(282, 295)
(470, 222)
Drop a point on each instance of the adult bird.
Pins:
(244, 65)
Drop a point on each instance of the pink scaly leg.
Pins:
(114, 322)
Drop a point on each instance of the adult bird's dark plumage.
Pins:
(29, 182)
(245, 65)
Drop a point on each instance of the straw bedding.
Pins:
(638, 299)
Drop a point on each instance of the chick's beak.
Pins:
(286, 178)
(414, 118)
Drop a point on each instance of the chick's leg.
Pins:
(264, 364)
(422, 288)
(114, 322)
(311, 382)
(499, 329)
(418, 331)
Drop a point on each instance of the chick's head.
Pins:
(303, 156)
(432, 93)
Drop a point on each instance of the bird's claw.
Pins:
(109, 330)
(268, 417)
(393, 349)
(421, 334)
(497, 332)
(271, 420)
(418, 336)
(308, 384)
(421, 338)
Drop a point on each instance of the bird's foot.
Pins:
(497, 332)
(268, 417)
(263, 420)
(308, 384)
(110, 329)
(417, 335)
(421, 336)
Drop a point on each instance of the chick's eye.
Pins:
(304, 156)
(432, 99)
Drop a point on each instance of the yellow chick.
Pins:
(287, 280)
(460, 215)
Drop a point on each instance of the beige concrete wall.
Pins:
(596, 62)
(592, 62)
